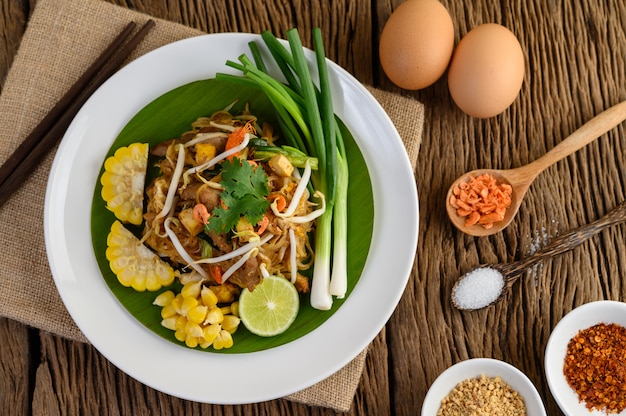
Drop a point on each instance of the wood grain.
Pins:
(576, 67)
(15, 366)
(12, 23)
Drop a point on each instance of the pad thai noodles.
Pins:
(231, 207)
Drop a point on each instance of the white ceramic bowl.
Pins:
(135, 349)
(476, 367)
(583, 317)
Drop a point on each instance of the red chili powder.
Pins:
(595, 367)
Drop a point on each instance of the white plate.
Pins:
(583, 317)
(476, 367)
(196, 375)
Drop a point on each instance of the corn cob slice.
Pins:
(123, 182)
(134, 264)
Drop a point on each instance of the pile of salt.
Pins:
(478, 288)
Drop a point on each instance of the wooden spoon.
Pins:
(521, 178)
(510, 272)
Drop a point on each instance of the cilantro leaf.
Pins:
(244, 195)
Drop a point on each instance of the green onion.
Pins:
(283, 59)
(256, 55)
(295, 156)
(327, 114)
(339, 276)
(307, 119)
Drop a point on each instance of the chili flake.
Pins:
(595, 367)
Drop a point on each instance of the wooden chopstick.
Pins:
(48, 121)
(43, 137)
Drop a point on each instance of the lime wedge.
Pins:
(270, 308)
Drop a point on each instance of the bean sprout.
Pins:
(241, 250)
(180, 249)
(171, 191)
(292, 257)
(295, 200)
(232, 269)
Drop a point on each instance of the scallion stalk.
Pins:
(339, 273)
(320, 283)
(295, 156)
(306, 115)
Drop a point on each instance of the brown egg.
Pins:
(416, 44)
(486, 71)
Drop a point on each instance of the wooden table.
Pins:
(576, 67)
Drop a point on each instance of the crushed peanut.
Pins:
(484, 396)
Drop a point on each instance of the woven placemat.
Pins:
(62, 38)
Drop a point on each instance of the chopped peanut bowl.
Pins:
(495, 387)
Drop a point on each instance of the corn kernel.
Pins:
(230, 323)
(168, 311)
(188, 304)
(210, 332)
(191, 341)
(191, 290)
(169, 323)
(177, 303)
(234, 308)
(138, 281)
(163, 272)
(223, 340)
(209, 298)
(181, 322)
(180, 335)
(193, 329)
(164, 298)
(198, 314)
(214, 316)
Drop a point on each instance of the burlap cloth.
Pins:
(61, 40)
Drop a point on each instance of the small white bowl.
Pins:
(476, 367)
(583, 317)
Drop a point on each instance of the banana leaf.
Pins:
(168, 117)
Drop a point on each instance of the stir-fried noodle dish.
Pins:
(227, 208)
(267, 232)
